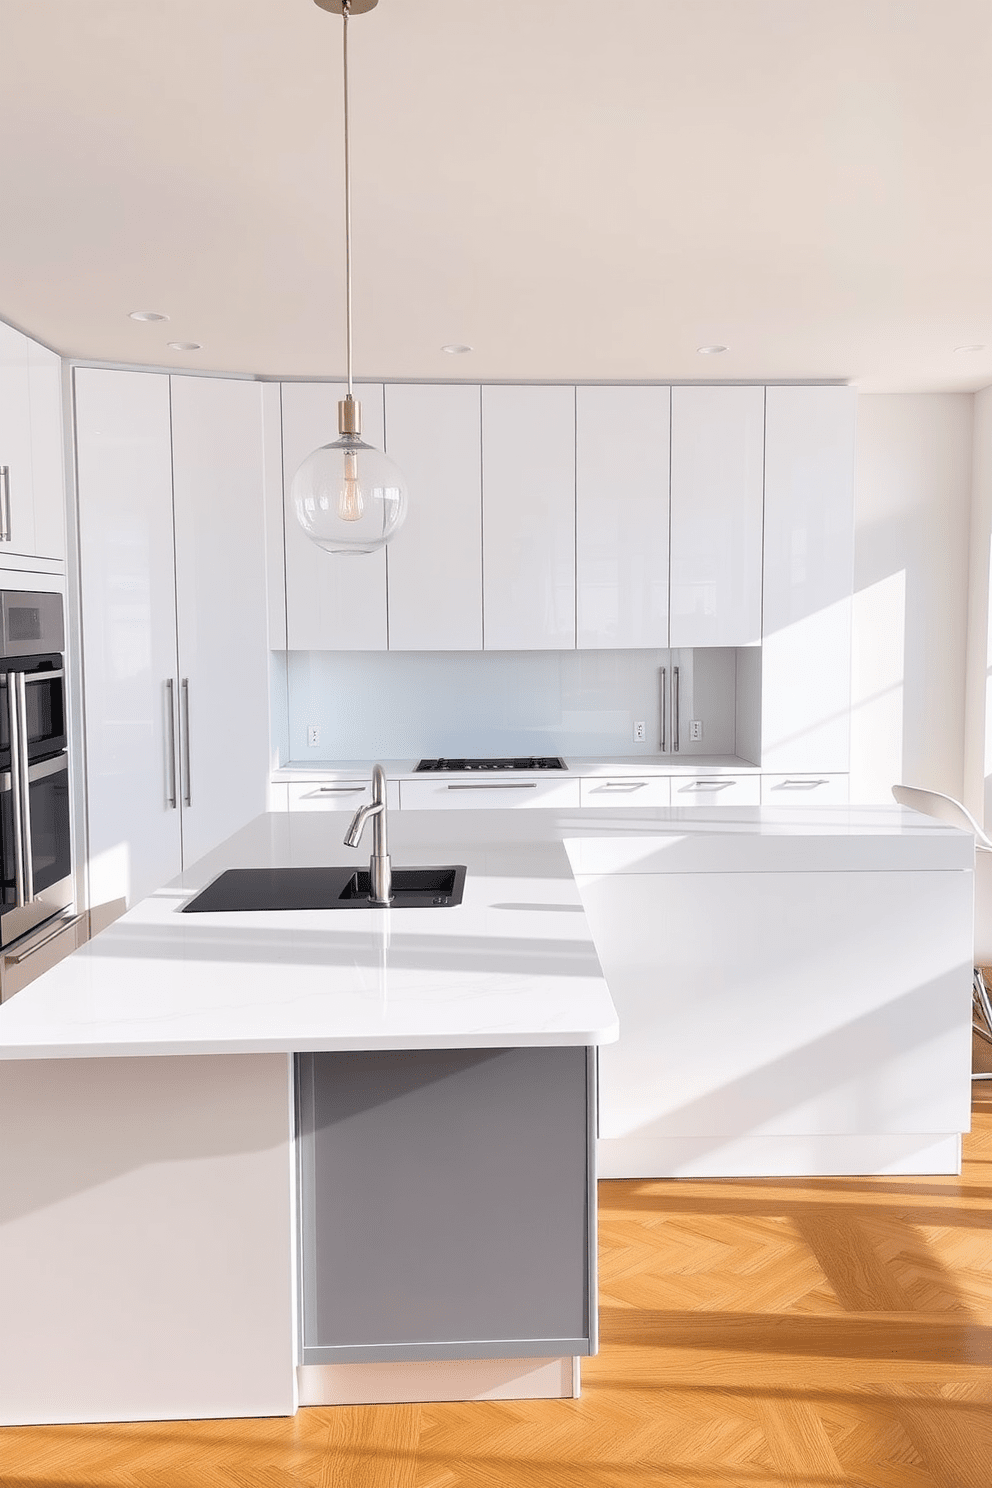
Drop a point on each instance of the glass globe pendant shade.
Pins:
(349, 497)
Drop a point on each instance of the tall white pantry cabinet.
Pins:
(174, 619)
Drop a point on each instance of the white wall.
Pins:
(912, 529)
(978, 708)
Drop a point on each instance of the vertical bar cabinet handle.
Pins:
(170, 693)
(675, 709)
(15, 789)
(22, 749)
(661, 701)
(188, 792)
(4, 503)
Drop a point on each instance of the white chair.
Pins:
(946, 809)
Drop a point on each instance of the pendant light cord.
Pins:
(346, 7)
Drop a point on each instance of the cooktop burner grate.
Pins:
(531, 762)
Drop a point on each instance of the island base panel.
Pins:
(448, 1204)
(405, 1382)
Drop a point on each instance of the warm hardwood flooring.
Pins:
(758, 1334)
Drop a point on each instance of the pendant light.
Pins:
(349, 497)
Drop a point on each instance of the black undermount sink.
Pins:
(325, 888)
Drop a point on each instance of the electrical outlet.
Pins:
(640, 732)
(695, 728)
(313, 735)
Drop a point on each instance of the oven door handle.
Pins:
(22, 746)
(16, 795)
(30, 677)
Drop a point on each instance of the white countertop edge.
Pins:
(302, 772)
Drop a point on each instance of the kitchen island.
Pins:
(794, 996)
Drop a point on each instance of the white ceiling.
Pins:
(578, 190)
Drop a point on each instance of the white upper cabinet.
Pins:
(434, 563)
(221, 601)
(334, 601)
(127, 582)
(528, 521)
(621, 516)
(32, 490)
(717, 457)
(808, 577)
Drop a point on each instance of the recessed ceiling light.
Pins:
(185, 346)
(455, 349)
(711, 350)
(971, 348)
(147, 315)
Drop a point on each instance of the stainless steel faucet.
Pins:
(380, 872)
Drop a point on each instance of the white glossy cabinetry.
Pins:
(625, 790)
(334, 601)
(127, 583)
(337, 795)
(221, 603)
(478, 795)
(528, 505)
(434, 563)
(716, 790)
(32, 518)
(808, 576)
(176, 703)
(717, 456)
(622, 437)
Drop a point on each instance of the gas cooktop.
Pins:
(532, 762)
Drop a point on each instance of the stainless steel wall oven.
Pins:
(35, 855)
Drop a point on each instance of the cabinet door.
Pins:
(48, 485)
(15, 442)
(221, 591)
(717, 444)
(622, 456)
(334, 601)
(528, 518)
(808, 578)
(434, 564)
(127, 583)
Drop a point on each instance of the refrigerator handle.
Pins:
(16, 798)
(188, 790)
(171, 798)
(661, 706)
(675, 709)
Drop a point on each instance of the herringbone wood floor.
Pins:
(754, 1335)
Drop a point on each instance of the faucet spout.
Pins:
(380, 871)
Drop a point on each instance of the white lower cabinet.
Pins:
(476, 795)
(716, 790)
(625, 790)
(797, 790)
(338, 795)
(173, 590)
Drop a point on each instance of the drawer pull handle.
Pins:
(623, 786)
(40, 945)
(713, 785)
(799, 784)
(496, 785)
(334, 790)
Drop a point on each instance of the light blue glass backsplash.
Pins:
(394, 705)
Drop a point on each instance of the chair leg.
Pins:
(981, 1007)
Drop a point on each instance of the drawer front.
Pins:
(796, 790)
(499, 795)
(634, 790)
(338, 795)
(716, 790)
(53, 943)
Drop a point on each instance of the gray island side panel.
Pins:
(448, 1203)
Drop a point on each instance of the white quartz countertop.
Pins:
(514, 964)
